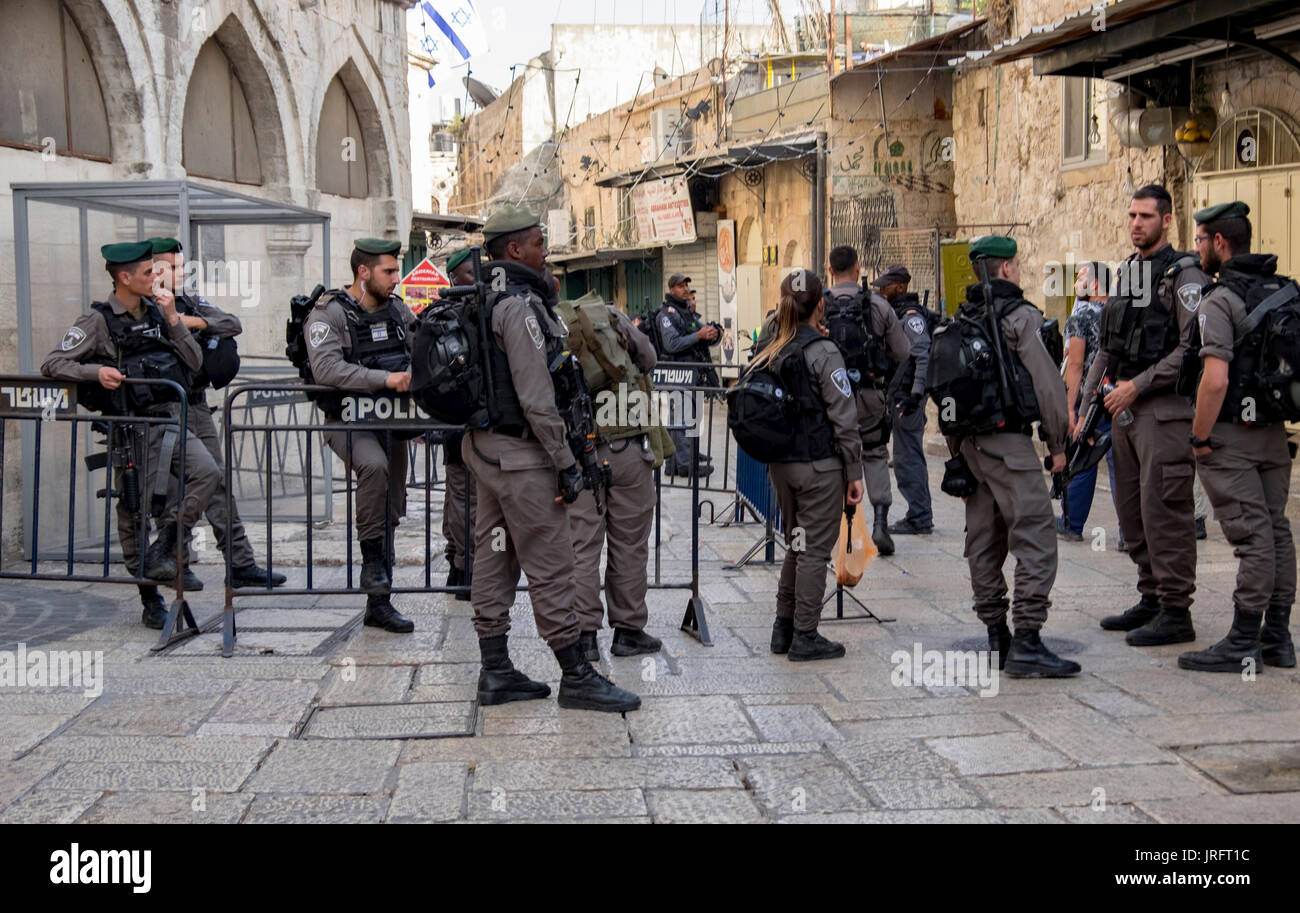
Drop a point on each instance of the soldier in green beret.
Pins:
(460, 495)
(1008, 509)
(358, 341)
(138, 333)
(1240, 440)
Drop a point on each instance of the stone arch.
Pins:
(378, 139)
(791, 254)
(750, 247)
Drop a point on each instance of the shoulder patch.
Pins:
(317, 333)
(73, 338)
(916, 323)
(1190, 296)
(671, 310)
(534, 330)
(203, 302)
(666, 322)
(840, 377)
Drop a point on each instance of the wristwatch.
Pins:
(1197, 442)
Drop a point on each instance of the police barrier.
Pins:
(46, 405)
(398, 417)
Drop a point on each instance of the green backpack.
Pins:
(607, 361)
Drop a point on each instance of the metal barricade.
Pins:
(694, 621)
(48, 404)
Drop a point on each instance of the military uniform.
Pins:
(909, 420)
(810, 490)
(677, 327)
(459, 499)
(90, 344)
(354, 349)
(629, 509)
(1247, 474)
(1143, 339)
(1010, 510)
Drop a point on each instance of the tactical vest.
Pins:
(507, 413)
(378, 342)
(965, 381)
(144, 351)
(1262, 383)
(812, 434)
(1139, 331)
(848, 317)
(907, 306)
(683, 324)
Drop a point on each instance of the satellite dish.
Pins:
(482, 95)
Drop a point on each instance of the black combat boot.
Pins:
(374, 568)
(1029, 657)
(583, 688)
(808, 646)
(155, 610)
(254, 576)
(160, 557)
(192, 582)
(1000, 642)
(1229, 654)
(499, 682)
(456, 577)
(381, 614)
(1276, 646)
(590, 649)
(1135, 617)
(782, 635)
(633, 642)
(1171, 626)
(880, 531)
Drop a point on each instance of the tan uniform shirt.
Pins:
(87, 346)
(1020, 328)
(329, 342)
(220, 323)
(515, 327)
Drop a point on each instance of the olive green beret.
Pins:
(377, 246)
(127, 252)
(166, 245)
(999, 246)
(507, 220)
(458, 258)
(1234, 210)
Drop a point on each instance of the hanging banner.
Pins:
(420, 285)
(727, 288)
(663, 212)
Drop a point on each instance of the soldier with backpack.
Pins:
(992, 377)
(873, 349)
(357, 342)
(804, 425)
(460, 498)
(1247, 343)
(616, 360)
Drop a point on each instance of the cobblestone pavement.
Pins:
(306, 723)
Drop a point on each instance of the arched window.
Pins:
(50, 94)
(219, 140)
(792, 253)
(1255, 138)
(340, 147)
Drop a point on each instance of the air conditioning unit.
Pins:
(666, 132)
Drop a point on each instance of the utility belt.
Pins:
(523, 433)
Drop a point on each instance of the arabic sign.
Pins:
(663, 211)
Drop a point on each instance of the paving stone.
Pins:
(689, 721)
(51, 703)
(710, 683)
(354, 684)
(429, 792)
(1191, 728)
(327, 767)
(215, 776)
(1089, 738)
(919, 816)
(319, 809)
(793, 723)
(162, 807)
(1111, 814)
(447, 673)
(1078, 787)
(890, 759)
(160, 715)
(725, 749)
(261, 708)
(21, 733)
(153, 748)
(802, 785)
(997, 754)
(514, 747)
(257, 643)
(1253, 767)
(553, 805)
(391, 721)
(608, 773)
(1117, 704)
(921, 793)
(1276, 808)
(915, 727)
(49, 806)
(20, 775)
(714, 806)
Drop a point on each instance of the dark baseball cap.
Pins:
(897, 273)
(678, 279)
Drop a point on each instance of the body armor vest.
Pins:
(812, 433)
(1140, 324)
(144, 351)
(506, 413)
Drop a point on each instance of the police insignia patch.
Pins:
(840, 378)
(1190, 296)
(318, 333)
(534, 330)
(916, 323)
(73, 338)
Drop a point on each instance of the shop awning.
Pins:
(605, 256)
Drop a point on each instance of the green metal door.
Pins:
(644, 280)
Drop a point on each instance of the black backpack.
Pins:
(763, 408)
(848, 318)
(449, 364)
(220, 360)
(295, 348)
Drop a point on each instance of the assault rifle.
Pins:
(575, 406)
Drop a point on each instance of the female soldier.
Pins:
(810, 480)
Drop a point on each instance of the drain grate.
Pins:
(405, 720)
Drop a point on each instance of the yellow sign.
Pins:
(957, 272)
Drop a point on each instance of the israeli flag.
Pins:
(453, 33)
